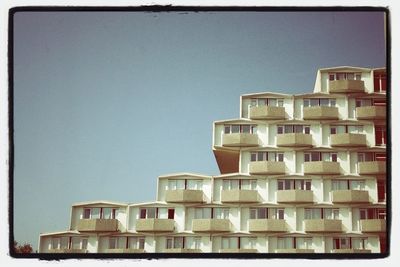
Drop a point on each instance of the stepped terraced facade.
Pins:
(299, 174)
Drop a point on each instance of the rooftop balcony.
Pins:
(351, 250)
(155, 225)
(372, 167)
(184, 196)
(267, 167)
(238, 250)
(267, 226)
(348, 140)
(323, 226)
(124, 250)
(371, 113)
(295, 196)
(346, 86)
(211, 225)
(97, 225)
(293, 250)
(373, 225)
(350, 196)
(239, 196)
(267, 113)
(182, 250)
(239, 140)
(320, 113)
(294, 140)
(321, 167)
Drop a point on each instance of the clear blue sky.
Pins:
(105, 102)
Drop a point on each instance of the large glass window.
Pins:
(193, 184)
(338, 129)
(241, 184)
(272, 102)
(321, 213)
(289, 128)
(371, 156)
(236, 128)
(136, 242)
(380, 84)
(380, 135)
(315, 102)
(348, 185)
(266, 156)
(292, 184)
(320, 156)
(99, 213)
(267, 213)
(345, 76)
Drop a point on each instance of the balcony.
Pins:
(239, 196)
(320, 113)
(348, 140)
(267, 113)
(239, 140)
(323, 226)
(321, 167)
(350, 196)
(294, 140)
(124, 250)
(373, 226)
(238, 250)
(211, 225)
(371, 113)
(351, 250)
(372, 167)
(294, 250)
(295, 196)
(267, 167)
(184, 196)
(346, 86)
(182, 250)
(267, 225)
(155, 225)
(97, 225)
(68, 250)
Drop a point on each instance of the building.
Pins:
(299, 174)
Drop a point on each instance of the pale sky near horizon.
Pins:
(104, 102)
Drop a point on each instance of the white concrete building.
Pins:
(299, 174)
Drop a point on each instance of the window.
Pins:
(381, 191)
(84, 243)
(345, 76)
(338, 129)
(86, 213)
(211, 213)
(175, 242)
(316, 102)
(304, 242)
(240, 129)
(267, 213)
(380, 135)
(286, 242)
(380, 82)
(341, 243)
(363, 102)
(192, 184)
(292, 184)
(136, 242)
(284, 129)
(266, 156)
(241, 184)
(321, 213)
(112, 243)
(55, 243)
(372, 213)
(273, 102)
(320, 156)
(229, 242)
(99, 213)
(153, 213)
(371, 156)
(247, 242)
(348, 185)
